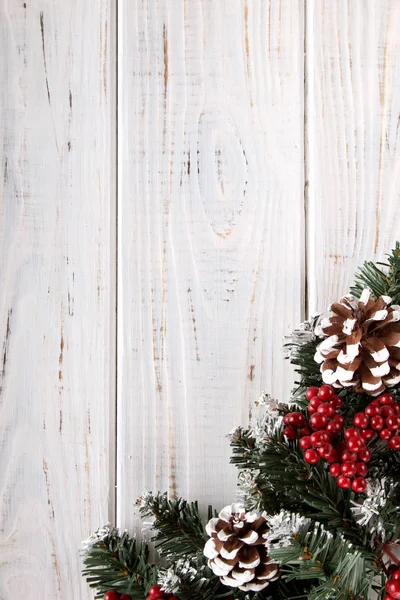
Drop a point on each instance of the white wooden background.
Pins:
(181, 182)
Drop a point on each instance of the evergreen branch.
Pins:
(337, 568)
(117, 563)
(179, 528)
(190, 578)
(286, 481)
(380, 282)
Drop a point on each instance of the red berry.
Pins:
(394, 443)
(362, 469)
(332, 457)
(372, 410)
(325, 392)
(126, 597)
(339, 419)
(361, 420)
(350, 433)
(388, 597)
(386, 399)
(395, 574)
(359, 485)
(367, 434)
(393, 422)
(348, 456)
(319, 438)
(111, 595)
(318, 421)
(325, 451)
(286, 419)
(386, 434)
(311, 457)
(326, 409)
(397, 409)
(377, 422)
(355, 444)
(177, 598)
(311, 392)
(311, 410)
(364, 455)
(290, 433)
(296, 419)
(374, 402)
(386, 410)
(391, 569)
(343, 482)
(155, 592)
(393, 587)
(305, 442)
(337, 401)
(335, 469)
(333, 427)
(305, 431)
(315, 402)
(349, 469)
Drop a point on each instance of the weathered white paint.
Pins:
(353, 144)
(211, 240)
(56, 302)
(211, 236)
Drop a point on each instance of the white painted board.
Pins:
(211, 233)
(353, 144)
(57, 275)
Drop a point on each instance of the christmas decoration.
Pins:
(361, 348)
(112, 595)
(317, 516)
(157, 593)
(236, 549)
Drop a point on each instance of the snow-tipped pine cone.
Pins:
(236, 550)
(361, 348)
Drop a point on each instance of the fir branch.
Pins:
(337, 568)
(118, 563)
(179, 528)
(381, 282)
(285, 481)
(190, 578)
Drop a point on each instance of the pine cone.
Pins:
(236, 550)
(361, 348)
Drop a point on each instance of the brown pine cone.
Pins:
(361, 348)
(236, 550)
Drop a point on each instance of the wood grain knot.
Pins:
(222, 171)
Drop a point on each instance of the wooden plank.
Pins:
(353, 162)
(210, 233)
(57, 286)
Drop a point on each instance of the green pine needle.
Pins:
(119, 563)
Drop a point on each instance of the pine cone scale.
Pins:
(249, 557)
(340, 309)
(230, 549)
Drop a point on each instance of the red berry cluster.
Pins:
(351, 469)
(113, 595)
(381, 416)
(393, 583)
(325, 424)
(156, 593)
(347, 459)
